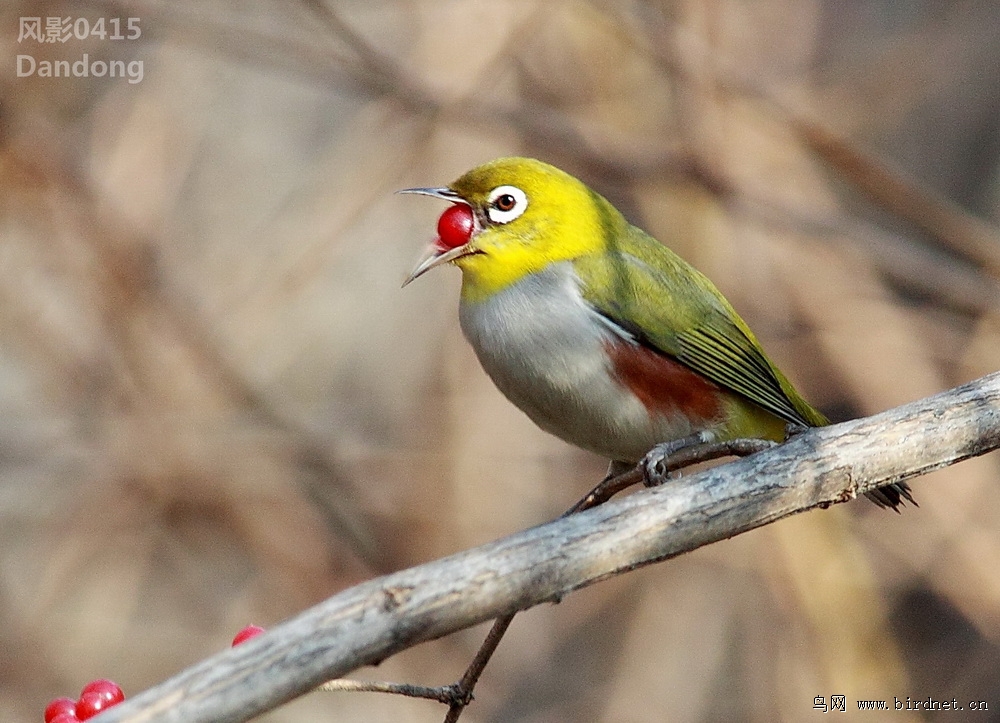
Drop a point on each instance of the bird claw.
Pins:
(655, 470)
(656, 467)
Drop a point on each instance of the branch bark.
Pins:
(376, 619)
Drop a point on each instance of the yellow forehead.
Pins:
(547, 183)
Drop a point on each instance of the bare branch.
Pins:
(952, 225)
(372, 621)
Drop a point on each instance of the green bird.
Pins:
(602, 335)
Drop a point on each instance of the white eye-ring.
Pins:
(505, 203)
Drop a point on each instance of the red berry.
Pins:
(96, 696)
(63, 718)
(108, 689)
(89, 705)
(250, 631)
(60, 706)
(455, 226)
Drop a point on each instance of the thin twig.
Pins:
(604, 491)
(442, 694)
(466, 685)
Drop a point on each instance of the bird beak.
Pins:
(435, 256)
(443, 193)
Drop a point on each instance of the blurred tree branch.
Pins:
(962, 232)
(367, 623)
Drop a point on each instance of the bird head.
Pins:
(510, 218)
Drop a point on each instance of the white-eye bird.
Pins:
(599, 333)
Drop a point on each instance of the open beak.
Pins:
(435, 255)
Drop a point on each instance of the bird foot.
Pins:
(659, 465)
(663, 462)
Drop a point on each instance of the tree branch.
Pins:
(376, 619)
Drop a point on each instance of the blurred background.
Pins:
(218, 406)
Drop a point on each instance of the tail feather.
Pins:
(892, 496)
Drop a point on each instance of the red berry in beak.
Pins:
(455, 226)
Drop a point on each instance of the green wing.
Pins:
(645, 288)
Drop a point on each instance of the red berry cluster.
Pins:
(96, 696)
(100, 695)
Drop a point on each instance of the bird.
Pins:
(601, 334)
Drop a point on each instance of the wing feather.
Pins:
(666, 304)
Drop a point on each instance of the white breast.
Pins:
(541, 343)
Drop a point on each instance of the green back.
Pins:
(667, 304)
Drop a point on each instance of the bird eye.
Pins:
(505, 203)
